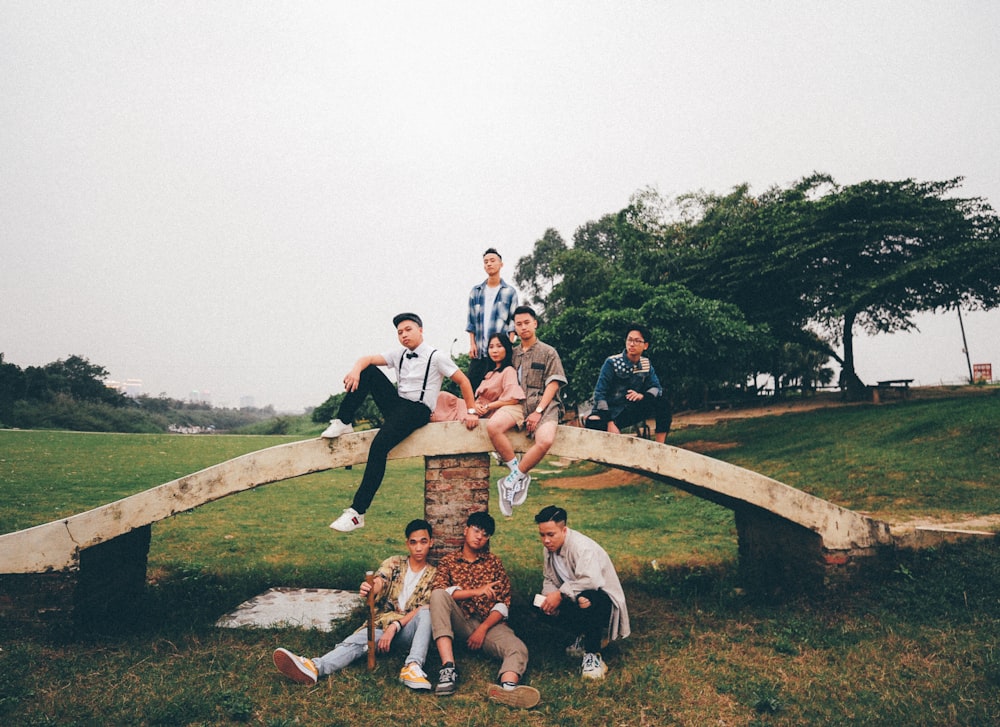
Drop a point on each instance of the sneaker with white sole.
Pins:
(414, 677)
(520, 696)
(349, 520)
(503, 493)
(296, 668)
(335, 429)
(520, 491)
(447, 680)
(576, 648)
(593, 667)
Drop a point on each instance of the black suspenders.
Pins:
(427, 371)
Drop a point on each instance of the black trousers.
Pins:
(478, 368)
(402, 418)
(657, 407)
(592, 622)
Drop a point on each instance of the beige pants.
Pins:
(448, 619)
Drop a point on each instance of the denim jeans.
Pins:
(415, 636)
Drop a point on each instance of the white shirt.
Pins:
(410, 379)
(409, 583)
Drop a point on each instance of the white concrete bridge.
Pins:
(786, 536)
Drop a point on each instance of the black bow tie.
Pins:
(411, 355)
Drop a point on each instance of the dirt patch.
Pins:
(701, 446)
(602, 481)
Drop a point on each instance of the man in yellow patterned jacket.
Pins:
(402, 588)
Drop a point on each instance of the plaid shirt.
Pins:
(500, 319)
(454, 571)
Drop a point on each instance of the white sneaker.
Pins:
(519, 492)
(503, 491)
(593, 667)
(335, 429)
(576, 648)
(349, 520)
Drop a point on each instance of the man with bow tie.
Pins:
(405, 407)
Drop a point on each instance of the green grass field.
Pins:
(918, 645)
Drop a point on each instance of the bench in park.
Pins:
(892, 386)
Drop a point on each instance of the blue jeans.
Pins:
(415, 636)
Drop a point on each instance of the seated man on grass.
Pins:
(402, 590)
(581, 590)
(471, 600)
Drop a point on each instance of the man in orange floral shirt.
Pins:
(471, 598)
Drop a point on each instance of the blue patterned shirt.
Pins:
(618, 375)
(498, 320)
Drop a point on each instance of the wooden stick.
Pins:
(370, 580)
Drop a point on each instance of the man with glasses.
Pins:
(471, 600)
(628, 390)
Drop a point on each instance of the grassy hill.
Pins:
(917, 646)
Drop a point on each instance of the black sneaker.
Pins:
(447, 680)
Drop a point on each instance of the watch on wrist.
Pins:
(539, 409)
(470, 411)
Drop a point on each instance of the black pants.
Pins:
(402, 418)
(478, 368)
(592, 621)
(656, 407)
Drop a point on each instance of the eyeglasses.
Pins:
(635, 341)
(479, 531)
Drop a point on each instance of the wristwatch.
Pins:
(539, 409)
(470, 411)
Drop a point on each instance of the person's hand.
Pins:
(490, 589)
(476, 638)
(531, 422)
(550, 606)
(473, 350)
(471, 421)
(385, 642)
(351, 380)
(482, 409)
(583, 602)
(365, 587)
(634, 395)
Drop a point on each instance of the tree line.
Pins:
(71, 394)
(739, 288)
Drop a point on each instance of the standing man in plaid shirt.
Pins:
(491, 310)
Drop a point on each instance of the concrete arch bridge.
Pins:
(787, 538)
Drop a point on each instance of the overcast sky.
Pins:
(236, 197)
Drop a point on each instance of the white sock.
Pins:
(512, 464)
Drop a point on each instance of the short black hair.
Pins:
(646, 335)
(493, 251)
(552, 513)
(418, 524)
(483, 520)
(526, 309)
(397, 319)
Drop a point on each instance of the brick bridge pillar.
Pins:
(454, 487)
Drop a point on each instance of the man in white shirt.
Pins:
(405, 407)
(580, 590)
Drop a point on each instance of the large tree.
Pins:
(819, 255)
(882, 251)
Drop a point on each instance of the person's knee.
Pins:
(545, 435)
(440, 598)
